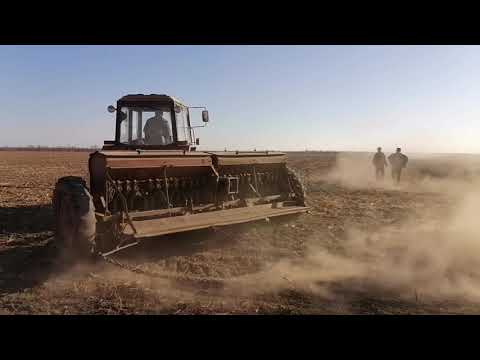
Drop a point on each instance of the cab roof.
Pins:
(152, 98)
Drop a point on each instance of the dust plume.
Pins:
(432, 174)
(437, 257)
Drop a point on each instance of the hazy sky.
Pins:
(422, 98)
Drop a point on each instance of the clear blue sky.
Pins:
(422, 98)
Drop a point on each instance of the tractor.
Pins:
(151, 181)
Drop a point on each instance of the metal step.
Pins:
(175, 224)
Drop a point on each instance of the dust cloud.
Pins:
(437, 258)
(422, 174)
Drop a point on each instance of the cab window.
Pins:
(145, 126)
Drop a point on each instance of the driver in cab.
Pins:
(157, 130)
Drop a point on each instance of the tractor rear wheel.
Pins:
(75, 217)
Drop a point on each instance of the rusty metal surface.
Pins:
(151, 153)
(163, 226)
(138, 163)
(116, 146)
(244, 153)
(250, 160)
(228, 158)
(147, 160)
(97, 168)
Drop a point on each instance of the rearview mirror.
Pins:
(205, 116)
(111, 109)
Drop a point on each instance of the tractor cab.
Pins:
(155, 122)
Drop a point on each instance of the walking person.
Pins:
(380, 162)
(398, 161)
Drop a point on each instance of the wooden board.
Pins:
(175, 224)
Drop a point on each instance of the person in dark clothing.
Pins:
(398, 162)
(379, 161)
(157, 130)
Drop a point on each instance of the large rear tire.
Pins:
(75, 217)
(297, 186)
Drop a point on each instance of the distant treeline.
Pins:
(94, 148)
(48, 148)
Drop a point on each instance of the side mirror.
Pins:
(111, 109)
(205, 116)
(197, 141)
